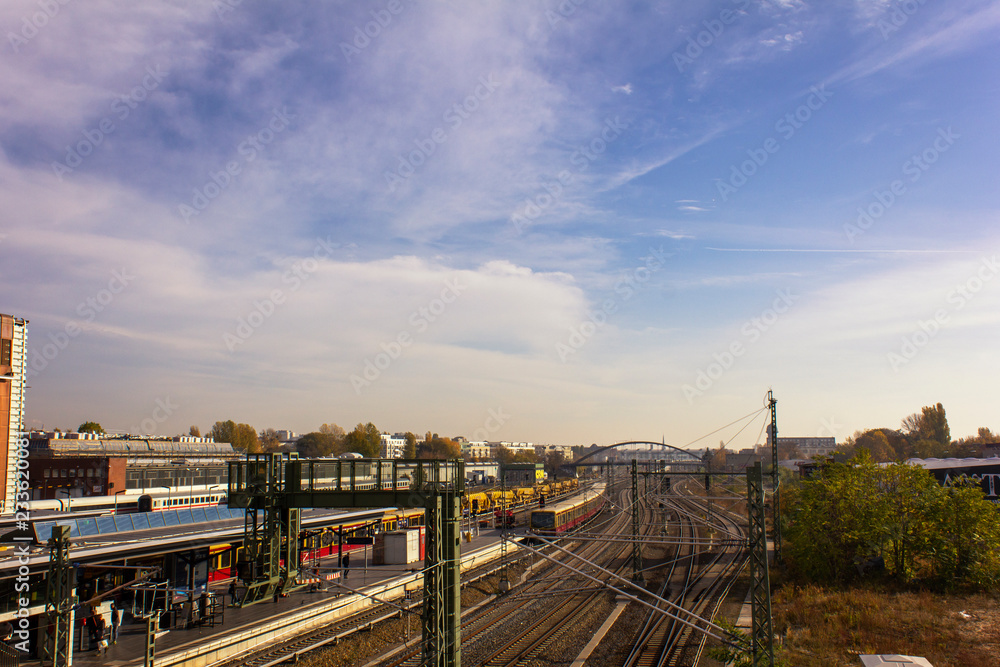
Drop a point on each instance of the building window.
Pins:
(46, 473)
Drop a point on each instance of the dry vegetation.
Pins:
(826, 627)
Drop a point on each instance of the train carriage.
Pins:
(569, 514)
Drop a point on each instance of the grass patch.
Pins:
(829, 626)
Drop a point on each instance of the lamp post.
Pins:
(69, 504)
(214, 486)
(168, 494)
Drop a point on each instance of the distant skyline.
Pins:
(565, 222)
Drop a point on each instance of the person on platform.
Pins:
(116, 621)
(100, 630)
(347, 564)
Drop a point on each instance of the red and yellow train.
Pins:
(568, 514)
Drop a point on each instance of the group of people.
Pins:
(97, 628)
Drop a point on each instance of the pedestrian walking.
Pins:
(347, 564)
(116, 620)
(92, 627)
(102, 642)
(232, 592)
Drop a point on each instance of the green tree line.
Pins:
(852, 517)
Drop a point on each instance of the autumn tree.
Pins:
(438, 448)
(975, 446)
(526, 456)
(365, 439)
(242, 437)
(877, 444)
(332, 429)
(194, 431)
(718, 458)
(316, 444)
(269, 440)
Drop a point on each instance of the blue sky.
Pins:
(600, 220)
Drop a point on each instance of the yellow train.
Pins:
(482, 502)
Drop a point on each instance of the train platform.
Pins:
(265, 622)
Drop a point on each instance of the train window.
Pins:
(543, 520)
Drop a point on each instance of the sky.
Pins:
(560, 222)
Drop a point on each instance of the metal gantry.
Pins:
(57, 647)
(279, 486)
(271, 531)
(762, 638)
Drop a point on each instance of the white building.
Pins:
(477, 449)
(544, 450)
(808, 446)
(13, 381)
(393, 445)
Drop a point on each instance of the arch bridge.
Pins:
(674, 454)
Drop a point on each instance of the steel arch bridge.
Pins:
(676, 454)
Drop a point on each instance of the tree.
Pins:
(718, 460)
(410, 450)
(89, 427)
(877, 444)
(975, 446)
(316, 444)
(365, 439)
(504, 456)
(242, 437)
(438, 448)
(930, 424)
(855, 513)
(194, 431)
(223, 431)
(554, 461)
(526, 456)
(332, 429)
(269, 441)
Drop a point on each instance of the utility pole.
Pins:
(776, 500)
(762, 637)
(58, 646)
(504, 574)
(636, 551)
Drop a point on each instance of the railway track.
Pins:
(549, 622)
(293, 649)
(568, 615)
(705, 579)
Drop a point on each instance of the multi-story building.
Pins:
(477, 449)
(13, 366)
(393, 445)
(807, 447)
(544, 450)
(79, 465)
